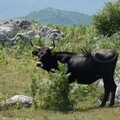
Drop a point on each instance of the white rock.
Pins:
(26, 101)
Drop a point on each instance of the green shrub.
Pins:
(82, 94)
(54, 92)
(33, 88)
(107, 22)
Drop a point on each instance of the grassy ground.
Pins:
(90, 113)
(15, 79)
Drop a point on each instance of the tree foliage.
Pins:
(107, 22)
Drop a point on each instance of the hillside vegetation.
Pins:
(59, 17)
(17, 70)
(20, 75)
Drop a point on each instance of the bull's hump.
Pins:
(105, 54)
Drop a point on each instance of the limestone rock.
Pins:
(47, 33)
(25, 101)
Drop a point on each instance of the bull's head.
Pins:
(44, 55)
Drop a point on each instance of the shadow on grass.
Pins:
(89, 108)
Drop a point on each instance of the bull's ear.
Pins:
(35, 53)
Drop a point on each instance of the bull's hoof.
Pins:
(111, 104)
(102, 105)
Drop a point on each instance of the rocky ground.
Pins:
(12, 30)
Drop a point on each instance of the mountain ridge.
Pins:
(59, 17)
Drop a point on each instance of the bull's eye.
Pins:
(40, 53)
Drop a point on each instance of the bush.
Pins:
(107, 22)
(54, 92)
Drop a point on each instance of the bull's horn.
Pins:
(53, 43)
(51, 48)
(34, 46)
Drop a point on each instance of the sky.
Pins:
(16, 8)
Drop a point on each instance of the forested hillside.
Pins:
(59, 17)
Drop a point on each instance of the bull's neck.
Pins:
(63, 56)
(59, 57)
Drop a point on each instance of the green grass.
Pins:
(91, 113)
(15, 79)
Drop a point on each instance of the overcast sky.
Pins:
(16, 8)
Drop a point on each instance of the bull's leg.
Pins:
(106, 93)
(113, 91)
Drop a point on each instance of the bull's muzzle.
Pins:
(39, 64)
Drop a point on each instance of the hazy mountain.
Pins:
(15, 8)
(59, 17)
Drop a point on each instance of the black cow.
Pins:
(84, 68)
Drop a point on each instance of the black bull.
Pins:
(84, 68)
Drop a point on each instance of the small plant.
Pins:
(34, 89)
(33, 86)
(54, 92)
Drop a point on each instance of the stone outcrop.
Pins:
(9, 29)
(47, 33)
(13, 30)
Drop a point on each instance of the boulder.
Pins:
(11, 27)
(117, 97)
(47, 33)
(3, 38)
(9, 30)
(25, 101)
(99, 83)
(24, 24)
(26, 36)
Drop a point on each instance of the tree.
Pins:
(107, 22)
